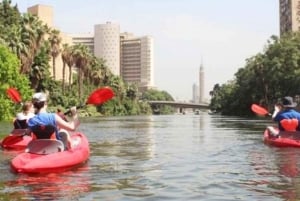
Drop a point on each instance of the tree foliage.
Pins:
(153, 94)
(34, 48)
(10, 77)
(265, 78)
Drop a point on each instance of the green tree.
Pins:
(153, 94)
(264, 79)
(39, 72)
(10, 77)
(55, 40)
(67, 58)
(82, 57)
(9, 17)
(33, 35)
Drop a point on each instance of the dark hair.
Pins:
(38, 104)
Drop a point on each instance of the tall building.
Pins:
(201, 84)
(45, 14)
(107, 45)
(85, 39)
(125, 55)
(136, 60)
(195, 93)
(289, 11)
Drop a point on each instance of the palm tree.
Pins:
(14, 41)
(82, 57)
(95, 73)
(132, 91)
(67, 58)
(33, 33)
(117, 83)
(106, 74)
(55, 41)
(40, 67)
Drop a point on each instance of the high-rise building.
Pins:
(45, 14)
(201, 84)
(136, 60)
(125, 55)
(195, 93)
(107, 45)
(85, 39)
(289, 11)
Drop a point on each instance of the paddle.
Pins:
(259, 110)
(14, 95)
(97, 97)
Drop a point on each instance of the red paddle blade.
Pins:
(100, 96)
(14, 95)
(259, 110)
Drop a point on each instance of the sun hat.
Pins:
(40, 97)
(288, 102)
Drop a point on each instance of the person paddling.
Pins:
(286, 116)
(61, 114)
(21, 119)
(46, 125)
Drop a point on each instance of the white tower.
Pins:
(107, 45)
(195, 93)
(201, 84)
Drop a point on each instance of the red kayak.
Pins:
(285, 139)
(16, 140)
(45, 156)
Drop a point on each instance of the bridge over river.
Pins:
(180, 105)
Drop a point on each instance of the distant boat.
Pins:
(213, 112)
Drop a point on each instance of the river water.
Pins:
(174, 157)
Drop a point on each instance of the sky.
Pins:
(218, 34)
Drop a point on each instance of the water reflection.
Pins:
(121, 155)
(277, 172)
(55, 186)
(176, 157)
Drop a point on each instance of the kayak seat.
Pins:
(20, 124)
(19, 132)
(43, 132)
(289, 124)
(44, 146)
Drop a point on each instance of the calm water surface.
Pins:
(177, 157)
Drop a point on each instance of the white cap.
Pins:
(40, 96)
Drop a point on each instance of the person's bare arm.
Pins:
(71, 125)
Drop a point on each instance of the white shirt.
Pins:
(22, 116)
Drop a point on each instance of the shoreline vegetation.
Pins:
(29, 49)
(266, 78)
(28, 53)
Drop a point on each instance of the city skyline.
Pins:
(223, 34)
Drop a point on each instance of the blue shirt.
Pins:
(287, 114)
(43, 119)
